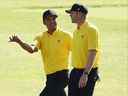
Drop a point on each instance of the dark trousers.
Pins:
(75, 75)
(55, 84)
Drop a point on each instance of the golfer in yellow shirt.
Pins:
(54, 45)
(85, 53)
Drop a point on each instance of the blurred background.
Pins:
(21, 74)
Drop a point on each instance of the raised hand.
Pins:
(14, 38)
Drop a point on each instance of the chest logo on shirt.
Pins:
(58, 41)
(82, 36)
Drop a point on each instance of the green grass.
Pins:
(21, 74)
(62, 3)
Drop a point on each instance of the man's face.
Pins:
(76, 16)
(50, 22)
(73, 16)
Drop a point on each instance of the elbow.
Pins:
(31, 51)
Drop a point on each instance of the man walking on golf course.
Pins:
(85, 54)
(54, 45)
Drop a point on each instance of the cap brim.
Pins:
(68, 11)
(53, 15)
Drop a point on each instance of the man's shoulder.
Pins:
(92, 28)
(40, 35)
(65, 33)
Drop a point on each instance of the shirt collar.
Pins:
(54, 33)
(85, 24)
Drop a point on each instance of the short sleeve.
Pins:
(93, 39)
(37, 42)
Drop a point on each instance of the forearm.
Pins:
(26, 47)
(90, 60)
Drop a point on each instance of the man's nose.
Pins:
(53, 21)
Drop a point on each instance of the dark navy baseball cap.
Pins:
(77, 7)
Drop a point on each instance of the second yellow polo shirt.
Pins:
(84, 39)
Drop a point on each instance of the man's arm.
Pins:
(88, 67)
(25, 46)
(90, 60)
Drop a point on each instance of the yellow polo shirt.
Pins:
(55, 50)
(84, 39)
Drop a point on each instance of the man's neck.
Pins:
(51, 31)
(80, 23)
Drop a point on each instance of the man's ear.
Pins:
(44, 22)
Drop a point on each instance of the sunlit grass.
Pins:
(21, 74)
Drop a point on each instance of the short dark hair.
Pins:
(48, 13)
